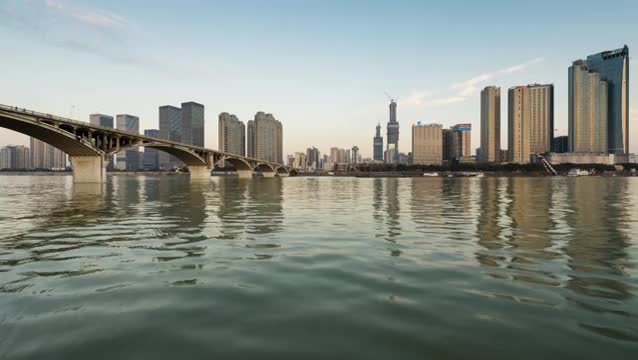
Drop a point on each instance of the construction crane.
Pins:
(388, 95)
(548, 167)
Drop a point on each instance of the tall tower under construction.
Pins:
(393, 131)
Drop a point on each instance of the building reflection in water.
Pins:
(393, 208)
(232, 206)
(264, 208)
(377, 207)
(597, 250)
(489, 229)
(386, 212)
(559, 232)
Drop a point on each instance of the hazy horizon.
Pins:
(320, 67)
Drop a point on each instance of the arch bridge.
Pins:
(91, 147)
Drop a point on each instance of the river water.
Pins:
(319, 268)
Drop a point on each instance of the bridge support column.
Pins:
(245, 174)
(199, 173)
(88, 169)
(268, 174)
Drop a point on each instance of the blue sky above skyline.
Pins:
(321, 67)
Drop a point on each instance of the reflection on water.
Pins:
(307, 267)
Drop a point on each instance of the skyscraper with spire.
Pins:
(378, 145)
(393, 131)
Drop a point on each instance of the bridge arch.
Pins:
(244, 168)
(266, 169)
(188, 157)
(238, 164)
(282, 171)
(63, 138)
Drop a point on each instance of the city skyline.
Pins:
(311, 101)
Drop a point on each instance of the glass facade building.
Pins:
(128, 159)
(613, 67)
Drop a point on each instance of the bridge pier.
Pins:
(199, 173)
(88, 169)
(245, 174)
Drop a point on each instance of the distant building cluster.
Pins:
(261, 138)
(39, 155)
(15, 157)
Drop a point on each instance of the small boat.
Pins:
(578, 172)
(432, 174)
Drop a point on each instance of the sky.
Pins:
(320, 67)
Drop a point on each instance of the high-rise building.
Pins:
(427, 144)
(378, 145)
(355, 154)
(490, 124)
(518, 123)
(231, 135)
(313, 157)
(448, 145)
(391, 155)
(128, 159)
(170, 128)
(393, 132)
(45, 156)
(325, 161)
(300, 161)
(15, 157)
(613, 67)
(104, 121)
(250, 139)
(151, 158)
(588, 112)
(530, 121)
(339, 156)
(265, 138)
(193, 123)
(5, 158)
(540, 110)
(101, 120)
(462, 140)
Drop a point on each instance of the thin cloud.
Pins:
(54, 4)
(450, 100)
(523, 66)
(471, 86)
(465, 89)
(86, 30)
(89, 16)
(417, 98)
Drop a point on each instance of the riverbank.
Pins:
(388, 174)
